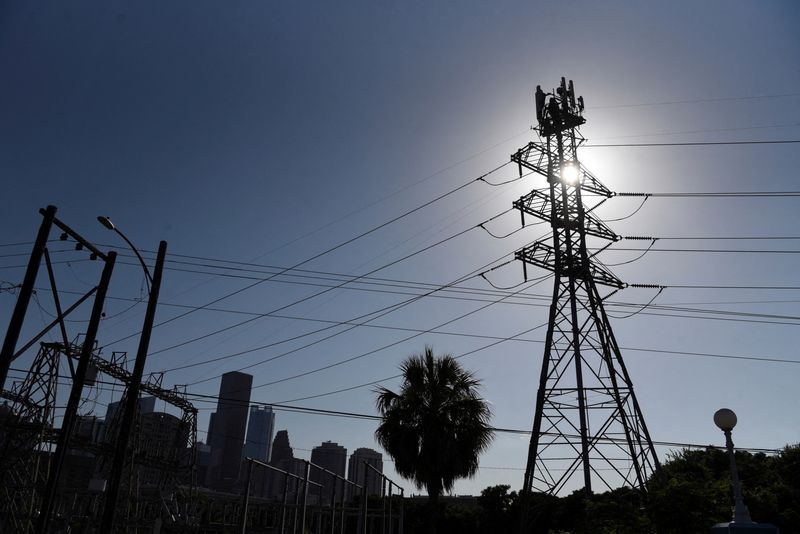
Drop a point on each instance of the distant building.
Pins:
(146, 405)
(331, 457)
(356, 468)
(260, 428)
(282, 457)
(226, 431)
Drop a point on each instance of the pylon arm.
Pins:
(538, 204)
(544, 256)
(534, 157)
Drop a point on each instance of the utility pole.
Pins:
(132, 398)
(588, 427)
(68, 422)
(25, 293)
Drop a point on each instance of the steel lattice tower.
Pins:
(587, 418)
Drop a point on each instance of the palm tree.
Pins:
(437, 426)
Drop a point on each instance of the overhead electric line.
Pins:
(329, 250)
(695, 143)
(319, 293)
(697, 101)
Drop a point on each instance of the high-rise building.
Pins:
(356, 468)
(332, 457)
(282, 457)
(146, 405)
(259, 433)
(226, 433)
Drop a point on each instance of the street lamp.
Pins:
(106, 222)
(135, 381)
(725, 420)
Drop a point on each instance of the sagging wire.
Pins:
(630, 214)
(484, 273)
(640, 256)
(9, 287)
(660, 290)
(510, 233)
(520, 177)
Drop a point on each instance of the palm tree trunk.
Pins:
(433, 508)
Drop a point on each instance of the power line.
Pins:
(709, 194)
(329, 250)
(309, 297)
(695, 143)
(697, 101)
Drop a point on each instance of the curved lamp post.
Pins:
(134, 387)
(725, 419)
(106, 222)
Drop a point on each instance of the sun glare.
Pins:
(569, 174)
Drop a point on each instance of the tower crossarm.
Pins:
(538, 204)
(534, 157)
(544, 256)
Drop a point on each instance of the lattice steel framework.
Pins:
(588, 423)
(25, 434)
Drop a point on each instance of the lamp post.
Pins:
(106, 222)
(725, 420)
(134, 387)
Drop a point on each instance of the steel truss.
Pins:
(27, 429)
(588, 429)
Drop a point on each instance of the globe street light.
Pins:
(725, 419)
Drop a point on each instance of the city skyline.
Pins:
(278, 147)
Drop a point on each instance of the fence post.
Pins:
(283, 504)
(246, 500)
(305, 496)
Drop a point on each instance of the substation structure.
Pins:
(588, 428)
(58, 463)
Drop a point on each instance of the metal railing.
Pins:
(384, 517)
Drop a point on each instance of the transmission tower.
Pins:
(588, 423)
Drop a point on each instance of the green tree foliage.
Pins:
(690, 493)
(436, 427)
(693, 489)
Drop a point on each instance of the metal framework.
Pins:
(588, 429)
(27, 429)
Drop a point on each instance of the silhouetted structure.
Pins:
(333, 457)
(226, 431)
(587, 420)
(282, 457)
(260, 428)
(356, 468)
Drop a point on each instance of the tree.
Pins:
(436, 426)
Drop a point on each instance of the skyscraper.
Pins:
(259, 433)
(226, 433)
(282, 457)
(146, 405)
(333, 457)
(356, 468)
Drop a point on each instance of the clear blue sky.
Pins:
(232, 129)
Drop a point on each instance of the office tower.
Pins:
(282, 457)
(332, 457)
(356, 468)
(259, 433)
(146, 405)
(226, 434)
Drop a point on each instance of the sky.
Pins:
(269, 132)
